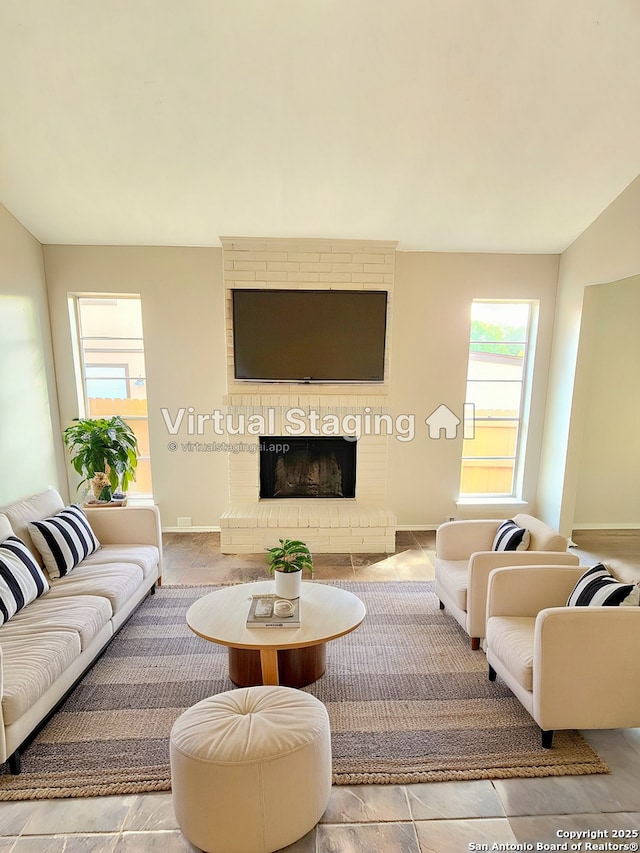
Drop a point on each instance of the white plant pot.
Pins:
(288, 584)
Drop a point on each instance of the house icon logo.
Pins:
(444, 420)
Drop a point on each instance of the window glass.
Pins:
(112, 367)
(496, 391)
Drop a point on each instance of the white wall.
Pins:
(608, 486)
(183, 320)
(609, 250)
(183, 305)
(430, 347)
(31, 453)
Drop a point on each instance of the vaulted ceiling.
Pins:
(448, 125)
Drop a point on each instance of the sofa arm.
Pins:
(457, 540)
(586, 668)
(126, 525)
(526, 590)
(3, 739)
(483, 563)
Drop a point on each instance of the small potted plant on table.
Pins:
(104, 451)
(287, 562)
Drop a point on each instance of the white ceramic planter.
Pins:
(288, 584)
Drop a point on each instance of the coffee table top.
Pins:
(326, 612)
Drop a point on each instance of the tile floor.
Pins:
(445, 817)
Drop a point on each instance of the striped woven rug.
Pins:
(407, 698)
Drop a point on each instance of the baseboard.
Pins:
(214, 529)
(609, 526)
(410, 527)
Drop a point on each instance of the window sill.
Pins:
(491, 501)
(139, 501)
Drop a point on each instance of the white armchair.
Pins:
(464, 559)
(570, 667)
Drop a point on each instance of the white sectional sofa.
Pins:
(49, 642)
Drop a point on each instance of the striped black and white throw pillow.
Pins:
(64, 540)
(598, 588)
(21, 578)
(510, 537)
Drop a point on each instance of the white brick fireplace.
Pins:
(328, 525)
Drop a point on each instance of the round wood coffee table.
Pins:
(293, 657)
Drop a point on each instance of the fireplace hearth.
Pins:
(308, 467)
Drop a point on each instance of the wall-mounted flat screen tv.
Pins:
(309, 335)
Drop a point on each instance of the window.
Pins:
(497, 395)
(111, 369)
(112, 384)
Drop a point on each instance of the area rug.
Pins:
(408, 702)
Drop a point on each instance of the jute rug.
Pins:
(407, 698)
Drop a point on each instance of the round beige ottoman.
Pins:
(250, 769)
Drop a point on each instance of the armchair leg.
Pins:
(492, 673)
(475, 643)
(547, 738)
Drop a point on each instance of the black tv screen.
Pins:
(309, 335)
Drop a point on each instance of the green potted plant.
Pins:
(104, 451)
(287, 562)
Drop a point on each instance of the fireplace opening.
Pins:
(307, 467)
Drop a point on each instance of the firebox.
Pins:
(308, 467)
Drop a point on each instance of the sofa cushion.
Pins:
(21, 578)
(21, 513)
(145, 556)
(85, 614)
(117, 582)
(598, 588)
(31, 663)
(5, 528)
(510, 537)
(64, 540)
(510, 639)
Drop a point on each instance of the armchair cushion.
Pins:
(453, 580)
(510, 537)
(64, 540)
(598, 588)
(511, 639)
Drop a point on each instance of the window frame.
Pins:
(524, 406)
(80, 362)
